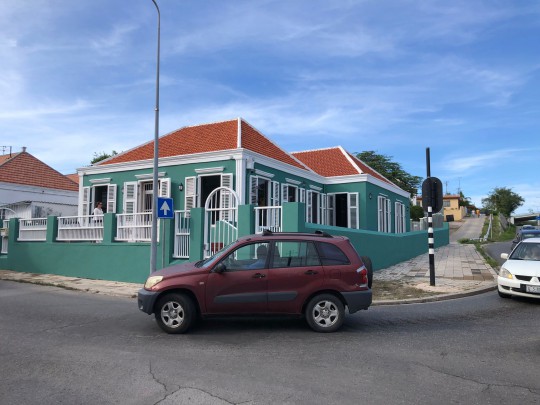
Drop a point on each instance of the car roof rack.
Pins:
(318, 232)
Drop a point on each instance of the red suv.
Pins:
(312, 275)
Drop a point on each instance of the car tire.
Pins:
(369, 267)
(325, 313)
(503, 295)
(175, 313)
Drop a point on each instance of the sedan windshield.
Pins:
(526, 251)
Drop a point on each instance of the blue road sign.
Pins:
(165, 208)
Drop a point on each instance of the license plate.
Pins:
(535, 289)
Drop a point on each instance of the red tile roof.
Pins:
(207, 138)
(25, 169)
(336, 161)
(73, 177)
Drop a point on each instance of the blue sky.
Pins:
(460, 77)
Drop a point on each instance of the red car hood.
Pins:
(179, 269)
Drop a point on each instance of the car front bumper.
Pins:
(146, 300)
(358, 300)
(516, 287)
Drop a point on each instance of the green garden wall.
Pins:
(123, 261)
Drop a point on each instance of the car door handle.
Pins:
(259, 275)
(311, 272)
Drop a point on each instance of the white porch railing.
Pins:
(134, 227)
(33, 229)
(4, 234)
(80, 228)
(181, 234)
(268, 218)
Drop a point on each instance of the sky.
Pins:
(460, 77)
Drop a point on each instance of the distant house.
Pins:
(30, 188)
(197, 162)
(451, 209)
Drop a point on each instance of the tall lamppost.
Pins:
(153, 243)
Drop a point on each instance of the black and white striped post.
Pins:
(431, 202)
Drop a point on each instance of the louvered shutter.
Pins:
(164, 188)
(130, 197)
(226, 196)
(253, 181)
(309, 203)
(274, 201)
(331, 206)
(85, 203)
(284, 193)
(323, 216)
(302, 195)
(353, 210)
(111, 198)
(191, 193)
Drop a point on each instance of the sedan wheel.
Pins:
(325, 313)
(175, 313)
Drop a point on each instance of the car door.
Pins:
(242, 287)
(295, 273)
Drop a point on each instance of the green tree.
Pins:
(503, 200)
(417, 212)
(98, 157)
(391, 170)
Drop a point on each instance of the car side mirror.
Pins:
(504, 256)
(220, 268)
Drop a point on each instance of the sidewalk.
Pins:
(459, 271)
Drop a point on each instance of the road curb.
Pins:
(434, 298)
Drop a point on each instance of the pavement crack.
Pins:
(200, 390)
(488, 385)
(154, 376)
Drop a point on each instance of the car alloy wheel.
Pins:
(175, 313)
(325, 313)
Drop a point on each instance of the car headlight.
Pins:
(505, 273)
(152, 281)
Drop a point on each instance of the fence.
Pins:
(182, 222)
(80, 228)
(422, 224)
(134, 227)
(32, 229)
(268, 218)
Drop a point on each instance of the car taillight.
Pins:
(362, 272)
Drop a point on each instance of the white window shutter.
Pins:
(253, 181)
(164, 188)
(309, 216)
(85, 201)
(302, 195)
(130, 197)
(331, 217)
(284, 193)
(191, 193)
(226, 196)
(353, 210)
(111, 198)
(275, 194)
(323, 216)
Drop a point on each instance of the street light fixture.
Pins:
(153, 237)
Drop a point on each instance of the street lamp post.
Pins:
(153, 243)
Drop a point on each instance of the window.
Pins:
(248, 257)
(384, 212)
(446, 203)
(295, 254)
(289, 193)
(331, 254)
(342, 210)
(400, 217)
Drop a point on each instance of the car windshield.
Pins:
(526, 235)
(212, 259)
(526, 251)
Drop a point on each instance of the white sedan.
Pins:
(520, 274)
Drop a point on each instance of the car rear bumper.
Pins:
(357, 300)
(146, 300)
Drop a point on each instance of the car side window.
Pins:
(252, 256)
(332, 255)
(295, 254)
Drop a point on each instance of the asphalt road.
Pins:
(67, 347)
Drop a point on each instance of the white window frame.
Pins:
(400, 217)
(384, 212)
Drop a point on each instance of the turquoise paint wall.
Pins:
(122, 261)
